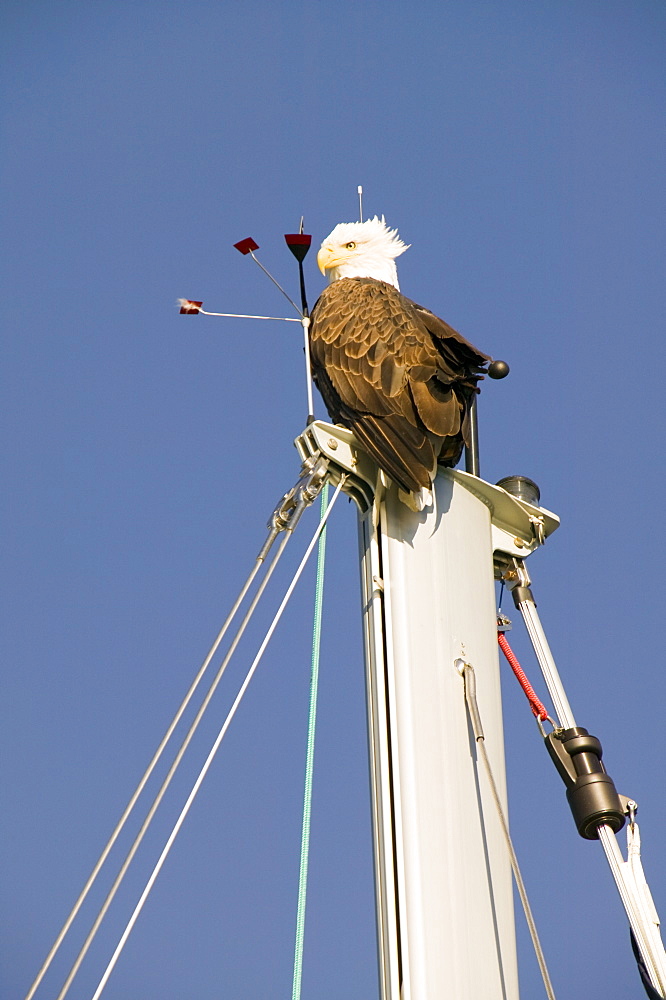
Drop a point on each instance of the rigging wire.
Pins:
(469, 678)
(651, 947)
(171, 772)
(285, 518)
(152, 765)
(309, 760)
(216, 745)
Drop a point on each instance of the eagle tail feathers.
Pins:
(403, 451)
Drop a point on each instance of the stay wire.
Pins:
(215, 747)
(151, 766)
(174, 766)
(309, 760)
(188, 738)
(469, 679)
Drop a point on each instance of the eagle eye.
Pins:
(350, 246)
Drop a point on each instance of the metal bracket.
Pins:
(630, 806)
(337, 445)
(518, 528)
(514, 574)
(504, 623)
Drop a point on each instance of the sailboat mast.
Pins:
(442, 869)
(444, 889)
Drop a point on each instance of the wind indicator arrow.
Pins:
(188, 307)
(246, 246)
(299, 244)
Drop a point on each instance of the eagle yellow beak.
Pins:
(325, 259)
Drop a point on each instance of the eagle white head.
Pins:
(362, 250)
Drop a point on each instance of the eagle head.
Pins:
(362, 250)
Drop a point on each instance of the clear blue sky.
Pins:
(519, 147)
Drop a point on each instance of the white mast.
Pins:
(443, 875)
(440, 854)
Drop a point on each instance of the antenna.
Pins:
(360, 203)
(496, 369)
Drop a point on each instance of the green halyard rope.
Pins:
(309, 760)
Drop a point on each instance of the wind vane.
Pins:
(299, 244)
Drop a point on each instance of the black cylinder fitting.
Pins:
(590, 790)
(521, 594)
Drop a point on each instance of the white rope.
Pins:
(635, 864)
(149, 770)
(214, 749)
(646, 932)
(648, 911)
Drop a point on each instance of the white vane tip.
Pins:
(188, 307)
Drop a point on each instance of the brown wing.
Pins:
(398, 376)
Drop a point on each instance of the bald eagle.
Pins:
(391, 371)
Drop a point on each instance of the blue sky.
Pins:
(519, 148)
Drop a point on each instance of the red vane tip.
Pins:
(298, 239)
(245, 246)
(188, 307)
(299, 244)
